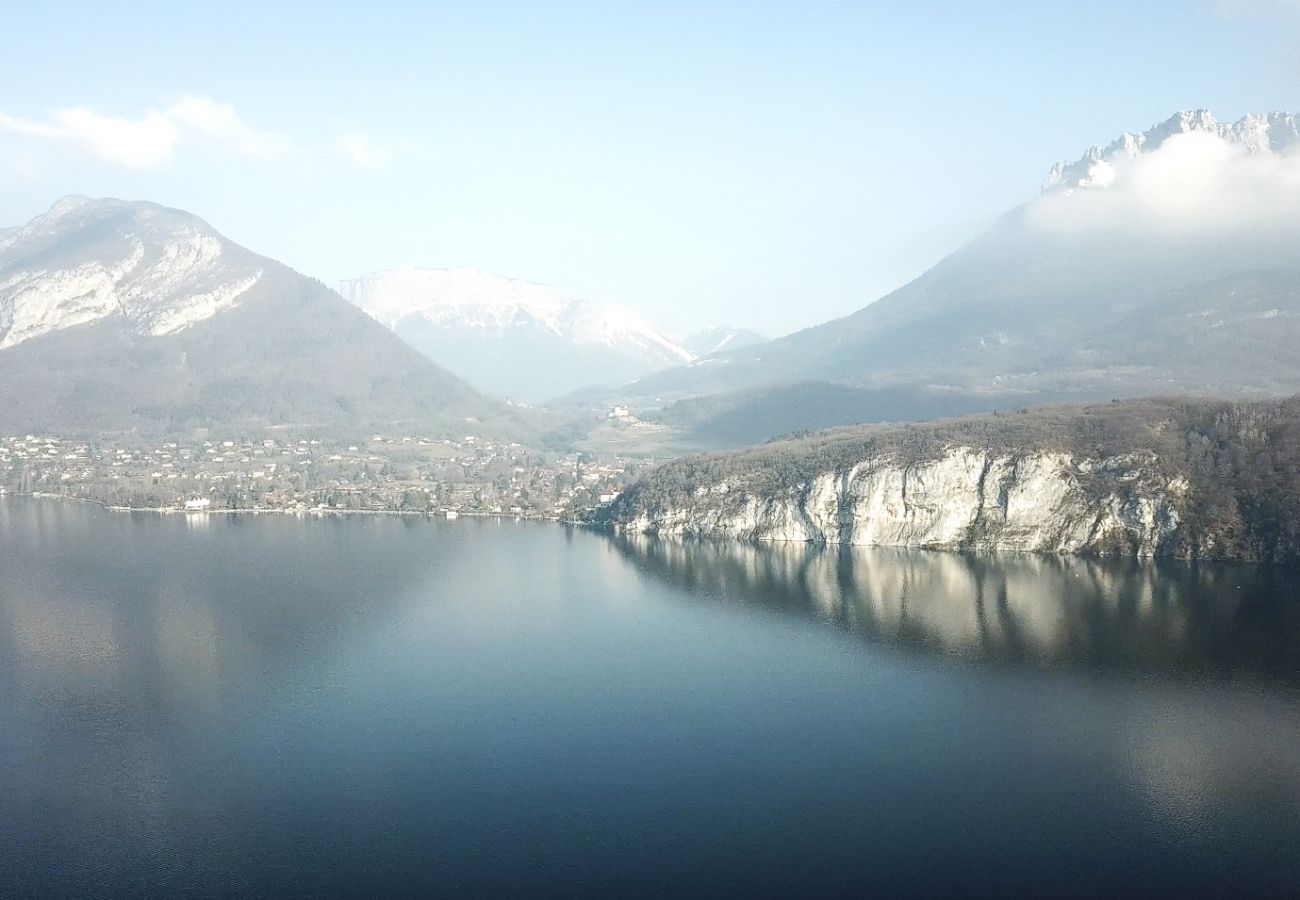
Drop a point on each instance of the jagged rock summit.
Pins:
(1274, 132)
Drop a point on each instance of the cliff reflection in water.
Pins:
(1037, 609)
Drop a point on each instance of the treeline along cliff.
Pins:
(1187, 478)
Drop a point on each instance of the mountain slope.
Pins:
(511, 337)
(119, 316)
(1164, 263)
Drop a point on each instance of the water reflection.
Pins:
(273, 706)
(1041, 610)
(169, 612)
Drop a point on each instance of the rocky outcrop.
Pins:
(157, 271)
(963, 498)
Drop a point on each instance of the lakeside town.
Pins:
(472, 476)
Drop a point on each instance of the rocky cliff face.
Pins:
(156, 270)
(964, 498)
(1183, 478)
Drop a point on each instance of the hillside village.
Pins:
(472, 476)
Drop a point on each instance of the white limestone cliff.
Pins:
(964, 498)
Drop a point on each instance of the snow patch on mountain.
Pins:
(721, 338)
(468, 298)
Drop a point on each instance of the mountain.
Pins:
(510, 337)
(1146, 478)
(719, 338)
(1270, 133)
(121, 316)
(1164, 263)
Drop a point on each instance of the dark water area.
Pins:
(318, 707)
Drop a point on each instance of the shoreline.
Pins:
(610, 530)
(312, 511)
(604, 528)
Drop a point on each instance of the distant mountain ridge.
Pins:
(512, 337)
(1077, 295)
(120, 316)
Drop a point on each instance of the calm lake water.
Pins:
(211, 706)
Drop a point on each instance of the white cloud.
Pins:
(1193, 182)
(220, 122)
(137, 143)
(153, 139)
(27, 127)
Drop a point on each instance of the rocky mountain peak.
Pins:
(1256, 133)
(159, 270)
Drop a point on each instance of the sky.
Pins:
(767, 165)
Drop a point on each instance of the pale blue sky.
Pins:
(762, 164)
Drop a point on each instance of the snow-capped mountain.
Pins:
(155, 269)
(123, 316)
(513, 337)
(721, 338)
(1164, 263)
(1254, 133)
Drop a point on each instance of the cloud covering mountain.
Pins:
(1163, 263)
(1188, 176)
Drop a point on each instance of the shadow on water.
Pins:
(1165, 616)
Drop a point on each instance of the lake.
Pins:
(271, 705)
